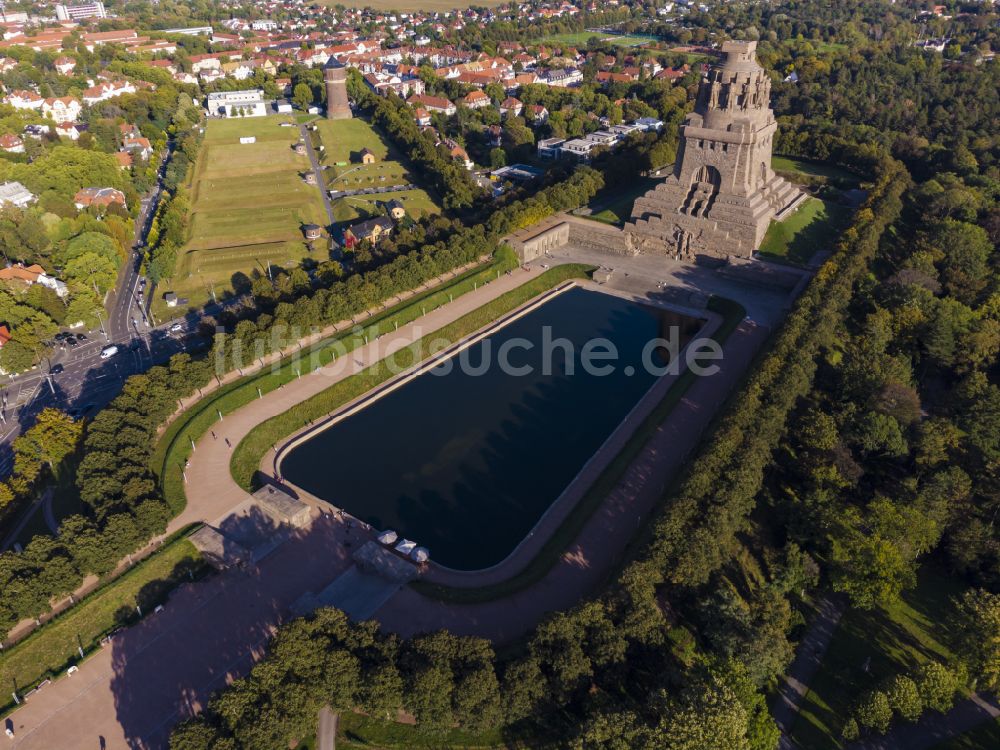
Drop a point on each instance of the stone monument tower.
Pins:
(335, 79)
(723, 193)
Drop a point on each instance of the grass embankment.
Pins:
(815, 226)
(247, 456)
(174, 446)
(897, 640)
(357, 731)
(808, 168)
(553, 549)
(54, 647)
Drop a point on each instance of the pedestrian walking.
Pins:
(213, 434)
(228, 444)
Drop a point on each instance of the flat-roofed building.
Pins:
(243, 103)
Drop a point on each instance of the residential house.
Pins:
(107, 90)
(69, 130)
(64, 65)
(11, 143)
(422, 116)
(511, 107)
(62, 108)
(4, 335)
(475, 100)
(138, 146)
(15, 194)
(548, 148)
(536, 114)
(124, 159)
(36, 131)
(432, 103)
(33, 274)
(564, 77)
(457, 153)
(22, 99)
(579, 148)
(99, 197)
(370, 230)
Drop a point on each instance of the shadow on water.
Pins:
(471, 463)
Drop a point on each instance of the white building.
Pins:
(79, 12)
(15, 194)
(245, 103)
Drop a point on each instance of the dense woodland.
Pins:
(865, 442)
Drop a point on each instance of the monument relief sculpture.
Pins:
(722, 193)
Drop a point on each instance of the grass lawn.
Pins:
(812, 169)
(615, 206)
(248, 203)
(343, 141)
(580, 38)
(815, 226)
(897, 639)
(984, 737)
(416, 202)
(54, 647)
(357, 731)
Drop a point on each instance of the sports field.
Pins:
(580, 39)
(343, 141)
(249, 202)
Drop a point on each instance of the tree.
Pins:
(937, 685)
(979, 623)
(874, 712)
(302, 96)
(53, 437)
(709, 716)
(904, 698)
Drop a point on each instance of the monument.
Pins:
(335, 79)
(723, 193)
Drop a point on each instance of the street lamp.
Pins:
(101, 320)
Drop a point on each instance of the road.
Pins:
(318, 172)
(75, 377)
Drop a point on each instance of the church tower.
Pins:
(723, 193)
(335, 80)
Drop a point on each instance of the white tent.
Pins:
(405, 546)
(420, 554)
(388, 537)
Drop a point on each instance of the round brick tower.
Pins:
(335, 78)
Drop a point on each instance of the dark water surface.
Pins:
(464, 464)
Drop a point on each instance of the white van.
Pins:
(109, 351)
